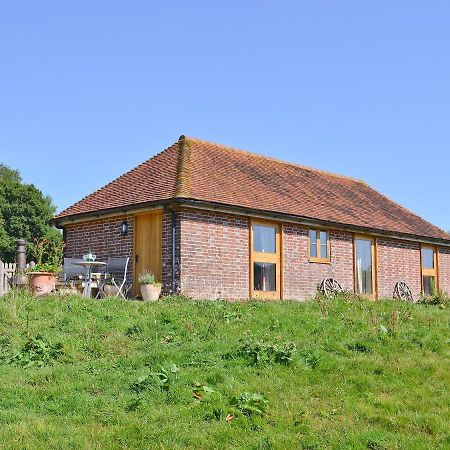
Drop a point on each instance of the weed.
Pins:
(134, 404)
(133, 330)
(359, 347)
(258, 351)
(163, 378)
(437, 297)
(37, 351)
(250, 404)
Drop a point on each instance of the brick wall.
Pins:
(212, 256)
(214, 259)
(398, 261)
(102, 236)
(301, 277)
(444, 269)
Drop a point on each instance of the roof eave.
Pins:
(311, 221)
(239, 210)
(60, 222)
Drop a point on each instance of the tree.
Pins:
(25, 213)
(8, 174)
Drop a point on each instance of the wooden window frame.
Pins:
(373, 239)
(429, 272)
(262, 257)
(318, 259)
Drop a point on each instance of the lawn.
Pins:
(183, 374)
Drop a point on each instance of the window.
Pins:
(365, 266)
(429, 273)
(319, 246)
(265, 278)
(264, 239)
(265, 260)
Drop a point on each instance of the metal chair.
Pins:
(71, 272)
(115, 273)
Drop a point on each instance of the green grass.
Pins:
(365, 375)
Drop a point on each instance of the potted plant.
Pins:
(89, 256)
(150, 288)
(109, 288)
(43, 275)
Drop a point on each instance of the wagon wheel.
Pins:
(331, 288)
(402, 292)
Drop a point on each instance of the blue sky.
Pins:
(90, 89)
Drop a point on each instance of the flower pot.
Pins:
(110, 290)
(42, 283)
(150, 292)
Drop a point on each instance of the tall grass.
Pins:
(183, 374)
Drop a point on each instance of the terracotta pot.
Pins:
(42, 283)
(150, 292)
(110, 290)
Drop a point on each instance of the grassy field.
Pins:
(184, 374)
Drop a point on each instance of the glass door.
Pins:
(365, 266)
(265, 271)
(428, 257)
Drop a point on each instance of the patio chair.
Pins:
(116, 274)
(71, 272)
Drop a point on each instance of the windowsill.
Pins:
(319, 261)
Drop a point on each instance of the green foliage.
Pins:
(37, 351)
(350, 384)
(259, 351)
(146, 278)
(163, 378)
(133, 330)
(250, 404)
(50, 251)
(9, 175)
(437, 297)
(25, 213)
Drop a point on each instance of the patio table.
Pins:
(88, 274)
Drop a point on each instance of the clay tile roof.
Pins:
(208, 172)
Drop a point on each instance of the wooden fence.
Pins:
(7, 273)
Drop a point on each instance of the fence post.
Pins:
(1, 279)
(21, 261)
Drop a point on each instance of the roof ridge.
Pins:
(183, 177)
(270, 158)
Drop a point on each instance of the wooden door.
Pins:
(147, 246)
(265, 260)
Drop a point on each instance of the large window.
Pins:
(264, 239)
(319, 246)
(265, 271)
(364, 248)
(429, 272)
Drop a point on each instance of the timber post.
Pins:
(21, 261)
